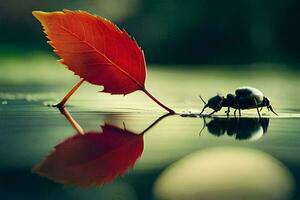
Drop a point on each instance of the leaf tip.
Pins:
(39, 14)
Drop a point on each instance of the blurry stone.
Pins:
(225, 173)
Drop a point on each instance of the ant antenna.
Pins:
(202, 100)
(205, 104)
(124, 126)
(204, 125)
(270, 107)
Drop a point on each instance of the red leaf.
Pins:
(96, 50)
(93, 158)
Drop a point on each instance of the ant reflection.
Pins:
(93, 158)
(242, 128)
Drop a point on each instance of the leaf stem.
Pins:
(62, 103)
(158, 102)
(71, 120)
(156, 122)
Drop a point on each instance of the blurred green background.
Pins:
(207, 46)
(174, 31)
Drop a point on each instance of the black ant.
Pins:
(244, 98)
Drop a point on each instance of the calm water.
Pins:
(173, 159)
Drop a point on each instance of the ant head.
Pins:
(216, 102)
(267, 103)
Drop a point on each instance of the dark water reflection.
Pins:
(241, 128)
(132, 153)
(97, 157)
(91, 158)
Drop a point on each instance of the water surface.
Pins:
(244, 153)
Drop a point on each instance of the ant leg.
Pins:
(258, 112)
(238, 107)
(261, 109)
(235, 112)
(212, 113)
(205, 106)
(228, 111)
(257, 108)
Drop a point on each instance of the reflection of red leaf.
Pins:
(92, 158)
(96, 50)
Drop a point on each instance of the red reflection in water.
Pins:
(93, 158)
